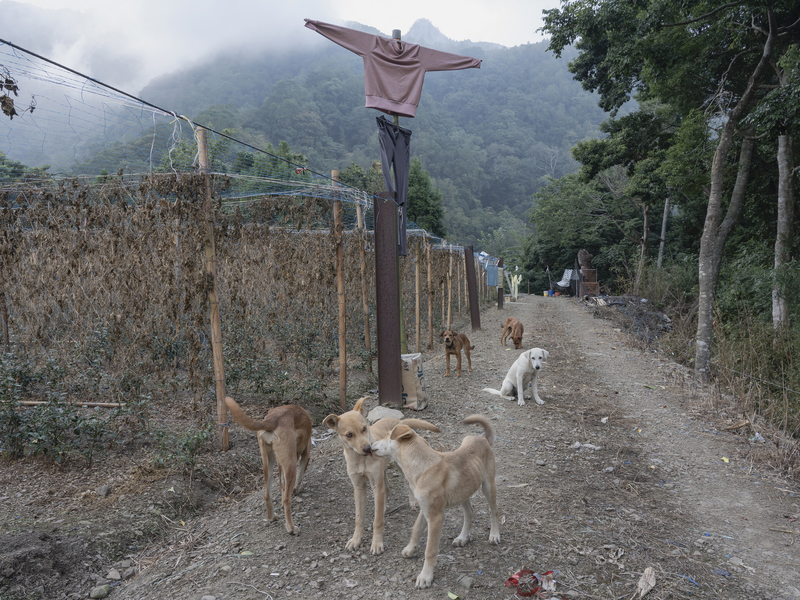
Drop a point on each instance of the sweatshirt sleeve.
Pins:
(434, 60)
(356, 41)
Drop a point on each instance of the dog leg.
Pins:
(447, 361)
(379, 489)
(469, 358)
(520, 389)
(289, 476)
(360, 494)
(536, 390)
(490, 493)
(301, 467)
(416, 534)
(425, 577)
(463, 537)
(458, 364)
(267, 462)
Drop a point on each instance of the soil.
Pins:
(628, 465)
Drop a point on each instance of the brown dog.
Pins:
(357, 437)
(441, 480)
(453, 344)
(512, 327)
(284, 436)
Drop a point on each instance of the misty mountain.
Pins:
(489, 137)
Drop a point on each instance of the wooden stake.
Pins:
(416, 275)
(364, 303)
(92, 404)
(213, 297)
(337, 234)
(430, 295)
(449, 284)
(458, 284)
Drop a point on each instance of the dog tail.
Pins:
(488, 432)
(420, 424)
(247, 422)
(492, 391)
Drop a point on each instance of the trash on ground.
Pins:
(646, 582)
(757, 438)
(529, 583)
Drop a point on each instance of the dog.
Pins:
(357, 437)
(441, 480)
(453, 344)
(523, 372)
(284, 436)
(512, 327)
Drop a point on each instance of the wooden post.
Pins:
(337, 234)
(364, 303)
(449, 284)
(430, 295)
(474, 303)
(458, 286)
(444, 322)
(213, 297)
(416, 276)
(500, 285)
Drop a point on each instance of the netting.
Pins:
(102, 265)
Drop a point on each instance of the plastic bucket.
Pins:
(545, 293)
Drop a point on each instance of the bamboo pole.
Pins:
(337, 233)
(416, 280)
(458, 285)
(364, 303)
(443, 302)
(449, 285)
(213, 296)
(430, 295)
(87, 404)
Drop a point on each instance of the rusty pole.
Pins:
(500, 284)
(387, 299)
(474, 303)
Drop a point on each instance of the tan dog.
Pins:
(453, 344)
(512, 327)
(357, 437)
(284, 436)
(441, 480)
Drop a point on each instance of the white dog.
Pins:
(522, 373)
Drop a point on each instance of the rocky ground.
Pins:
(628, 465)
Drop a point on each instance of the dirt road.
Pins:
(666, 489)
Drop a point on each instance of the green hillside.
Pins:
(489, 137)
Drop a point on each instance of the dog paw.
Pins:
(377, 548)
(494, 538)
(424, 579)
(408, 551)
(520, 402)
(353, 544)
(527, 397)
(293, 530)
(539, 401)
(447, 374)
(459, 541)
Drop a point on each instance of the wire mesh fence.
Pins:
(102, 266)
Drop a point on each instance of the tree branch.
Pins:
(705, 16)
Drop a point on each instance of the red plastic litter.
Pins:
(527, 582)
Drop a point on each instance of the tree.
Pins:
(424, 204)
(693, 55)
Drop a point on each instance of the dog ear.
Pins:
(546, 353)
(331, 422)
(402, 432)
(441, 334)
(359, 407)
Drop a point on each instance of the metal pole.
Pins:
(499, 285)
(387, 299)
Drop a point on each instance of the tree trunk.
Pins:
(663, 238)
(716, 228)
(643, 249)
(715, 234)
(780, 306)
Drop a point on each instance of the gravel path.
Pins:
(666, 489)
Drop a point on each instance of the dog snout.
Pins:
(367, 450)
(537, 367)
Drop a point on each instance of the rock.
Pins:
(114, 575)
(382, 412)
(103, 491)
(466, 582)
(541, 463)
(101, 591)
(129, 572)
(208, 598)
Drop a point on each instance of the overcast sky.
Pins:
(126, 43)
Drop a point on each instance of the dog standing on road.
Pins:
(524, 372)
(441, 480)
(454, 343)
(363, 466)
(512, 327)
(284, 436)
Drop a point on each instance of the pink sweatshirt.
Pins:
(394, 71)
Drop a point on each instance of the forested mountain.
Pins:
(489, 137)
